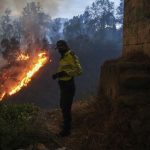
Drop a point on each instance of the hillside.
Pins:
(97, 124)
(40, 91)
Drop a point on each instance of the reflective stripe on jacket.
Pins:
(70, 64)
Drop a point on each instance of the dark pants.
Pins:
(67, 92)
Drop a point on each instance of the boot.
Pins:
(64, 133)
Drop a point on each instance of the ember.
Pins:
(26, 73)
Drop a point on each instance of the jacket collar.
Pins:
(66, 54)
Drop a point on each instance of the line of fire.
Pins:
(22, 66)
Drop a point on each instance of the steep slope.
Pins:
(39, 91)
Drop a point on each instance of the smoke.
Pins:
(3, 62)
(50, 6)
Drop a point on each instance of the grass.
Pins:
(21, 125)
(97, 125)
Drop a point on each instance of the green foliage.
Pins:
(17, 122)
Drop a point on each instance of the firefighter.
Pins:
(69, 67)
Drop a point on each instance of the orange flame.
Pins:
(2, 96)
(22, 57)
(37, 64)
(41, 61)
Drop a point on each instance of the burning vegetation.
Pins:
(25, 50)
(14, 77)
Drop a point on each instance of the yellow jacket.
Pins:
(70, 64)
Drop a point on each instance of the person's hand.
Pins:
(62, 74)
(55, 76)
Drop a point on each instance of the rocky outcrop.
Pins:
(125, 76)
(137, 26)
(125, 83)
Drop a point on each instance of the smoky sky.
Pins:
(55, 8)
(50, 6)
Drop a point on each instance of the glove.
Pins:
(59, 74)
(55, 76)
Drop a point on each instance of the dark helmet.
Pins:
(61, 43)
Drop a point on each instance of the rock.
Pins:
(38, 146)
(63, 148)
(41, 146)
(30, 147)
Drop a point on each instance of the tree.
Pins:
(17, 29)
(34, 24)
(6, 27)
(120, 12)
(102, 14)
(73, 28)
(11, 49)
(55, 29)
(96, 21)
(10, 35)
